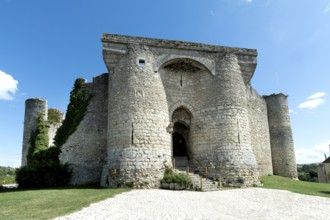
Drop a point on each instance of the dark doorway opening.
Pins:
(179, 145)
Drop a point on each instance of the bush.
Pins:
(240, 180)
(54, 116)
(43, 171)
(179, 178)
(43, 175)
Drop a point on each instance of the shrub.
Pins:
(43, 171)
(240, 180)
(179, 178)
(54, 115)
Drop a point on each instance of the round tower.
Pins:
(227, 126)
(33, 107)
(138, 143)
(282, 148)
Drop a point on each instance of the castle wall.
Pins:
(33, 107)
(138, 143)
(85, 149)
(52, 129)
(281, 140)
(219, 130)
(222, 138)
(323, 172)
(259, 131)
(209, 85)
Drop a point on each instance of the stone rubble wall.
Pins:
(85, 149)
(259, 131)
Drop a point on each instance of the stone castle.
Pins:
(163, 100)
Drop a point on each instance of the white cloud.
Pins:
(314, 154)
(293, 112)
(317, 95)
(327, 8)
(8, 86)
(313, 101)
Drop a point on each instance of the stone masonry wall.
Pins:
(138, 144)
(281, 140)
(149, 80)
(85, 150)
(33, 107)
(259, 131)
(220, 133)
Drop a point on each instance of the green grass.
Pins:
(307, 188)
(50, 203)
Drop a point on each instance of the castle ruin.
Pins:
(165, 99)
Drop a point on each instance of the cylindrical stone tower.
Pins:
(33, 107)
(138, 143)
(283, 153)
(234, 152)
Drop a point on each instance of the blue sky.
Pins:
(45, 45)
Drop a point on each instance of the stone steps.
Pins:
(182, 166)
(207, 184)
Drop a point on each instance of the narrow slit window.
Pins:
(142, 62)
(132, 135)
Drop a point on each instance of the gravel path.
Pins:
(250, 203)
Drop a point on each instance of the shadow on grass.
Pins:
(6, 190)
(325, 192)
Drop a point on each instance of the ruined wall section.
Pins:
(138, 143)
(33, 107)
(259, 131)
(281, 140)
(85, 149)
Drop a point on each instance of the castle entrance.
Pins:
(181, 119)
(179, 145)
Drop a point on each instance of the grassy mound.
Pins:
(50, 203)
(307, 188)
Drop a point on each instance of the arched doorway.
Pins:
(179, 145)
(181, 133)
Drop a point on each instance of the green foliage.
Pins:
(75, 112)
(50, 203)
(179, 178)
(7, 175)
(54, 116)
(39, 139)
(43, 167)
(43, 170)
(240, 180)
(307, 172)
(308, 188)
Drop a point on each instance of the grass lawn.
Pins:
(308, 188)
(50, 203)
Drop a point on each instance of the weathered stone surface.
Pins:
(281, 140)
(85, 150)
(160, 94)
(33, 107)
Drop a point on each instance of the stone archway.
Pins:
(180, 140)
(181, 119)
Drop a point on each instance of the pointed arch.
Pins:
(198, 62)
